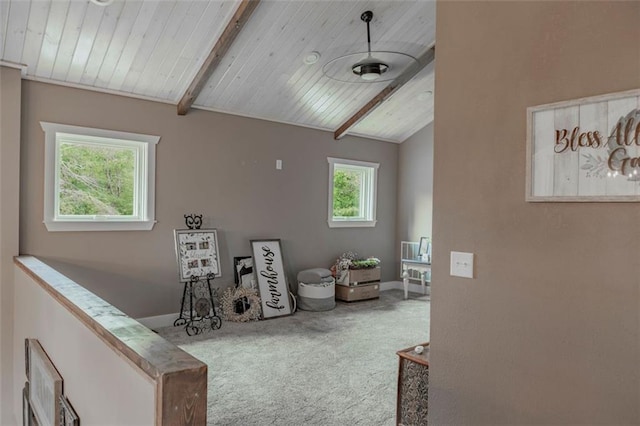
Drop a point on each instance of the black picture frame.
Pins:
(243, 271)
(26, 358)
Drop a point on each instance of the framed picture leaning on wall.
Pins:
(272, 279)
(197, 253)
(45, 386)
(243, 274)
(424, 251)
(68, 416)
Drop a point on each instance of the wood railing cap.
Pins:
(151, 353)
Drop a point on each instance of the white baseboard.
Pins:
(158, 321)
(397, 285)
(167, 320)
(390, 285)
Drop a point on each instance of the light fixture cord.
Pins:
(368, 39)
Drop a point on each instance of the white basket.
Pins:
(316, 297)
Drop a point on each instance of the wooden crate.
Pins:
(355, 293)
(358, 276)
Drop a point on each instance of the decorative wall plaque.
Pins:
(585, 150)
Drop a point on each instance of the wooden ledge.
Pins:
(180, 379)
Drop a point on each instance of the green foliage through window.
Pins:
(96, 180)
(347, 185)
(352, 193)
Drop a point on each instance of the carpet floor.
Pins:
(328, 368)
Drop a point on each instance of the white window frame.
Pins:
(144, 197)
(368, 202)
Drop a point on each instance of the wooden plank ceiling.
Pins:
(155, 48)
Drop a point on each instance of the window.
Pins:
(352, 193)
(98, 180)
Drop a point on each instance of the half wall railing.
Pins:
(115, 370)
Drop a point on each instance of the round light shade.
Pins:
(376, 67)
(370, 70)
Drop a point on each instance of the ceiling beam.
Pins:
(424, 60)
(231, 31)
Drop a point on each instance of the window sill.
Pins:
(62, 226)
(351, 223)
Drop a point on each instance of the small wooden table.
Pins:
(414, 265)
(413, 386)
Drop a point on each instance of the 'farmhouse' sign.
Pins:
(585, 150)
(272, 280)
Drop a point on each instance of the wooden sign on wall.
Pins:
(585, 150)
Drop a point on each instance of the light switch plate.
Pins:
(461, 264)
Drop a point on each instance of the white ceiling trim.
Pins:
(362, 135)
(97, 89)
(172, 103)
(22, 67)
(308, 126)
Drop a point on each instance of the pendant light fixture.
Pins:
(370, 66)
(370, 69)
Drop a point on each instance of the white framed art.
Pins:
(585, 149)
(197, 253)
(272, 279)
(45, 386)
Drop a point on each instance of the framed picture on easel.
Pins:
(197, 253)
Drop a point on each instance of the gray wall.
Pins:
(548, 332)
(9, 216)
(415, 186)
(219, 165)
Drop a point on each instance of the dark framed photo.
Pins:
(197, 253)
(26, 357)
(243, 274)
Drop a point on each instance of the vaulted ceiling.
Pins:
(156, 48)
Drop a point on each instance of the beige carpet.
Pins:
(312, 368)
